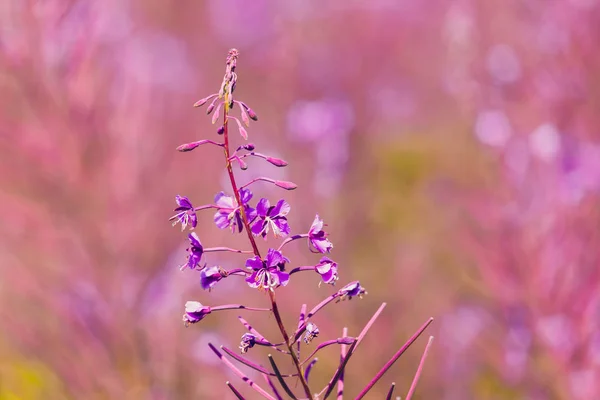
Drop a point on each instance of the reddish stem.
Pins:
(236, 193)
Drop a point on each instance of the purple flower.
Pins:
(194, 312)
(229, 214)
(210, 276)
(317, 237)
(195, 252)
(311, 332)
(185, 213)
(248, 342)
(327, 268)
(268, 274)
(271, 217)
(351, 290)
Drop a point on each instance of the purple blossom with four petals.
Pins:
(268, 274)
(317, 237)
(186, 215)
(195, 252)
(229, 214)
(210, 276)
(327, 268)
(195, 312)
(271, 217)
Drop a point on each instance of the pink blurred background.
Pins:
(451, 146)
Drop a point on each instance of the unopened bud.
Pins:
(188, 146)
(210, 108)
(286, 185)
(277, 161)
(252, 114)
(249, 146)
(203, 101)
(243, 132)
(221, 130)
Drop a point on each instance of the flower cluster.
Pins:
(236, 211)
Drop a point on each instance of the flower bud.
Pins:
(286, 185)
(277, 162)
(249, 146)
(203, 101)
(221, 130)
(252, 114)
(188, 146)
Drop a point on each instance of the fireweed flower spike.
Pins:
(186, 215)
(267, 272)
(273, 217)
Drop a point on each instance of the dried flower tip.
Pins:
(248, 341)
(311, 332)
(286, 185)
(210, 108)
(243, 165)
(194, 312)
(277, 161)
(221, 130)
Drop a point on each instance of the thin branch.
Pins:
(413, 385)
(250, 364)
(213, 249)
(339, 371)
(343, 341)
(393, 359)
(369, 324)
(272, 386)
(309, 368)
(239, 373)
(343, 352)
